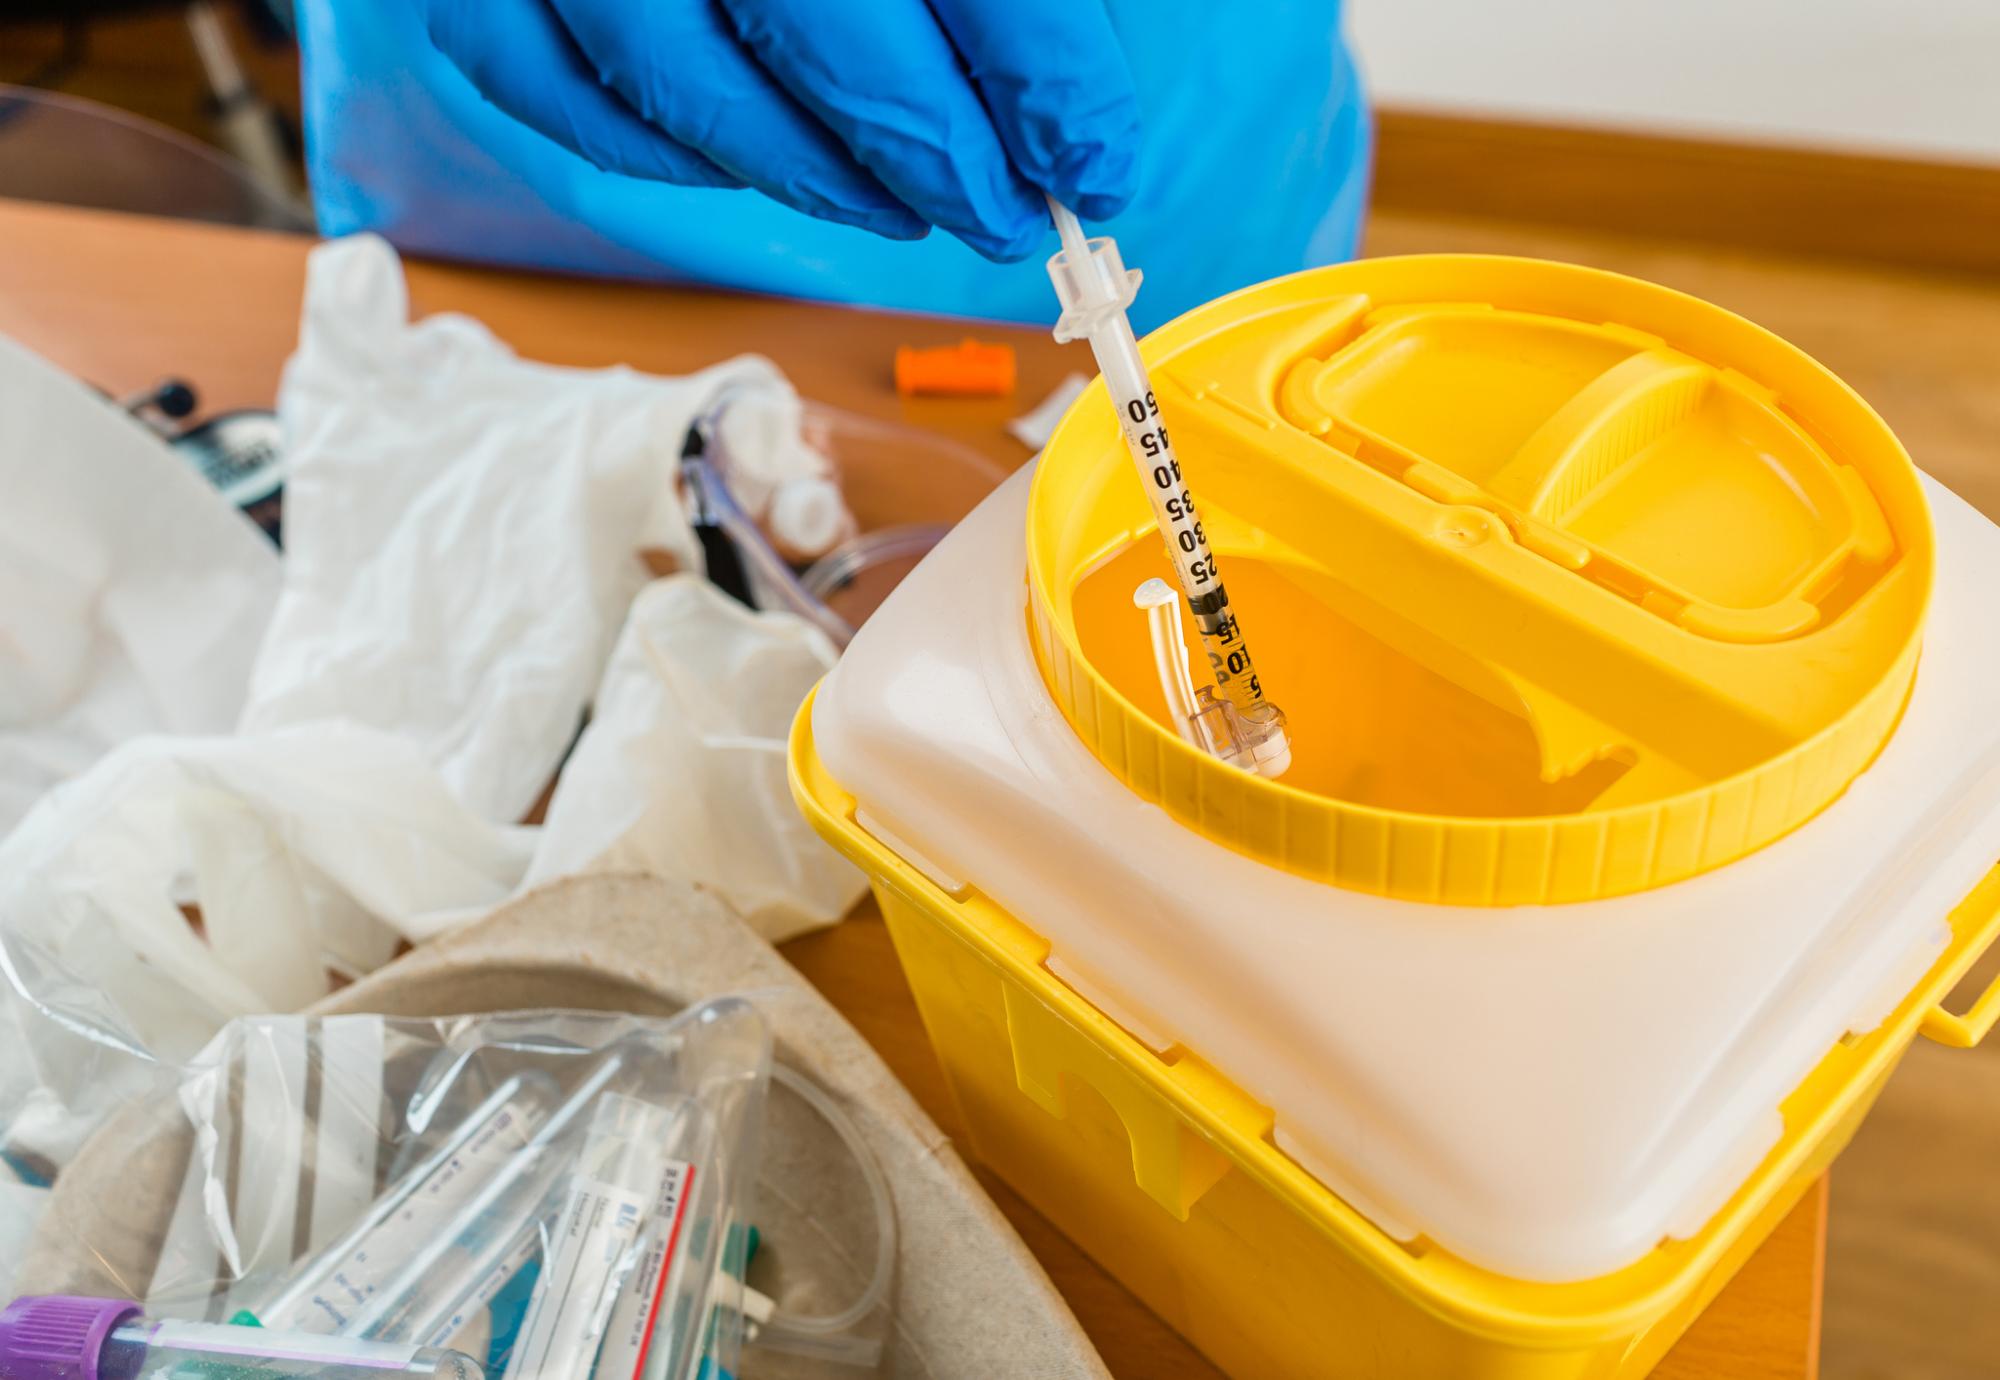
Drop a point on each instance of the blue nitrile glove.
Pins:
(892, 115)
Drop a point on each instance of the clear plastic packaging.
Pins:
(1231, 720)
(612, 1258)
(397, 1181)
(557, 1195)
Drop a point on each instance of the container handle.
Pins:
(1975, 924)
(1957, 1031)
(1171, 1163)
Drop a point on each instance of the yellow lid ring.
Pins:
(1457, 859)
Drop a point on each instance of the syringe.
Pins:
(450, 1228)
(1238, 724)
(322, 1293)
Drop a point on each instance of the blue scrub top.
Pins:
(1255, 164)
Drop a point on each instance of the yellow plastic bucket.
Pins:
(1165, 1172)
(1620, 588)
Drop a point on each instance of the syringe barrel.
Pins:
(1174, 512)
(1095, 289)
(63, 1338)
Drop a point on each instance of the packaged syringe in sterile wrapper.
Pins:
(611, 1251)
(463, 1212)
(661, 1291)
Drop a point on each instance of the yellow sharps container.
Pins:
(1643, 806)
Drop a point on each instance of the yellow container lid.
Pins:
(1569, 585)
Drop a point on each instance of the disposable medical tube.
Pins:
(57, 1337)
(596, 1245)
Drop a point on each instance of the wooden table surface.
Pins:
(121, 301)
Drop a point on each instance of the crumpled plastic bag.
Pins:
(462, 528)
(463, 538)
(306, 848)
(132, 598)
(682, 772)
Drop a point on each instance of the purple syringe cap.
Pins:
(57, 1336)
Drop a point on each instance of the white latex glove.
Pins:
(132, 596)
(681, 773)
(462, 528)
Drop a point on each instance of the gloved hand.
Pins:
(893, 115)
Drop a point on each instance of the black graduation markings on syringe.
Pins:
(1187, 547)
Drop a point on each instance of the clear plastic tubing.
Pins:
(58, 1337)
(832, 572)
(826, 1336)
(1096, 289)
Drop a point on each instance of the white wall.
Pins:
(1917, 77)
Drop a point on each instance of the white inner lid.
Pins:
(1544, 1091)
